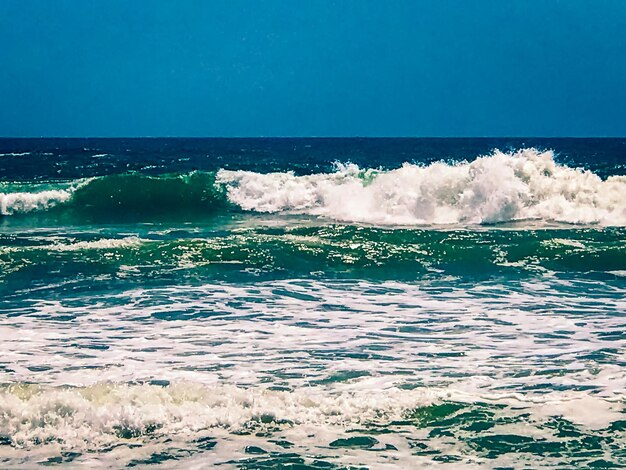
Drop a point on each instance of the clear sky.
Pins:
(312, 68)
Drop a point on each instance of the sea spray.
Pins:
(501, 187)
(22, 202)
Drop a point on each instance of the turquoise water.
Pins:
(312, 303)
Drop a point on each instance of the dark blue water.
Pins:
(74, 158)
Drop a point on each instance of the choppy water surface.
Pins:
(255, 312)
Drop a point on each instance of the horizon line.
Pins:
(320, 137)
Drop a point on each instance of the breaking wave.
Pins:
(501, 187)
(124, 195)
(22, 202)
(107, 412)
(100, 415)
(498, 188)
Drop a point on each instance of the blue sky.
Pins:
(312, 68)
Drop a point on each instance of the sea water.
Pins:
(313, 303)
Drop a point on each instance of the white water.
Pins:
(310, 360)
(31, 413)
(21, 202)
(497, 188)
(102, 244)
(92, 418)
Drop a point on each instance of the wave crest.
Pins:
(122, 195)
(501, 187)
(22, 202)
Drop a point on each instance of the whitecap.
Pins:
(21, 202)
(502, 187)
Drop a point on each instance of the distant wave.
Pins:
(501, 187)
(14, 154)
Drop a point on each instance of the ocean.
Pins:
(313, 303)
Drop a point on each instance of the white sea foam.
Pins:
(501, 187)
(32, 414)
(102, 244)
(14, 154)
(135, 421)
(81, 418)
(304, 362)
(21, 202)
